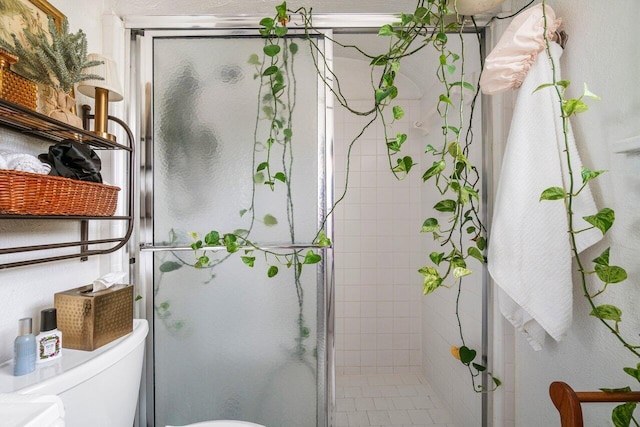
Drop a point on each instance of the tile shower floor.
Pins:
(388, 400)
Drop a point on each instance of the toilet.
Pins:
(222, 423)
(98, 388)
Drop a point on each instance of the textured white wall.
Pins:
(608, 60)
(25, 291)
(86, 16)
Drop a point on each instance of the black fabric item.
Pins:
(73, 159)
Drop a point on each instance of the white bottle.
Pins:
(49, 340)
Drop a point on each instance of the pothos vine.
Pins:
(609, 315)
(453, 173)
(455, 177)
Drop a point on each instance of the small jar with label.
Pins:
(49, 340)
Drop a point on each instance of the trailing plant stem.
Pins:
(569, 201)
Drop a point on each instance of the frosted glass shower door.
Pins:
(230, 342)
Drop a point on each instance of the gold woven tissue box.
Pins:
(89, 320)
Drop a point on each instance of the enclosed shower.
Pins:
(232, 340)
(393, 359)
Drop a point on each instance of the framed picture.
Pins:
(17, 15)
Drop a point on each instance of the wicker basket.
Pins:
(15, 88)
(23, 193)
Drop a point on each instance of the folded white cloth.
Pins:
(107, 280)
(529, 254)
(22, 162)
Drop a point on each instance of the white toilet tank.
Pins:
(98, 388)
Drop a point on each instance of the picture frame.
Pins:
(16, 15)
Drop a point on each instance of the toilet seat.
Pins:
(222, 423)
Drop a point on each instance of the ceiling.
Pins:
(204, 7)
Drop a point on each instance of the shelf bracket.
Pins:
(84, 237)
(24, 120)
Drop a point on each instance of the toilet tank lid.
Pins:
(74, 367)
(221, 423)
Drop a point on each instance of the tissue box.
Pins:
(89, 320)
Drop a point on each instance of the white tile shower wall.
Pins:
(377, 249)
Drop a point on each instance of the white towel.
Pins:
(22, 162)
(529, 255)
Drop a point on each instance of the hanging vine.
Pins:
(610, 316)
(274, 69)
(462, 238)
(453, 174)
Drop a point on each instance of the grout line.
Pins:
(391, 400)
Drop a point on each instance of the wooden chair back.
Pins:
(568, 402)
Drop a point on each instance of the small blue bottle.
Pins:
(24, 348)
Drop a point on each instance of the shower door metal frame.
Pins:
(137, 26)
(141, 57)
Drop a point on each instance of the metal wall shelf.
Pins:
(31, 123)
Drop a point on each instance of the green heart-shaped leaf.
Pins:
(607, 312)
(168, 266)
(611, 273)
(446, 206)
(467, 355)
(271, 50)
(553, 193)
(635, 373)
(436, 257)
(475, 252)
(603, 259)
(248, 260)
(603, 220)
(588, 174)
(269, 220)
(432, 279)
(312, 258)
(273, 270)
(398, 112)
(480, 368)
(436, 169)
(622, 414)
(429, 225)
(459, 272)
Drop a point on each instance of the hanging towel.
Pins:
(529, 254)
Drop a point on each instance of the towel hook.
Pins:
(561, 37)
